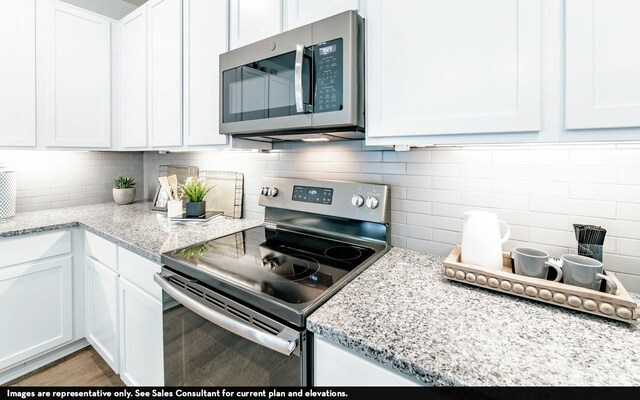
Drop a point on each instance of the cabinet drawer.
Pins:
(139, 271)
(101, 250)
(22, 249)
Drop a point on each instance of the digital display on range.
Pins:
(309, 194)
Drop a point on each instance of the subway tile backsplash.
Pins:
(539, 190)
(55, 179)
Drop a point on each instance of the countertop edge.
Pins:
(122, 243)
(384, 358)
(38, 229)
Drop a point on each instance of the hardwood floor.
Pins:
(82, 368)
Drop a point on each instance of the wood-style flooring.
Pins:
(82, 368)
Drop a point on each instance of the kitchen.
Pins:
(524, 109)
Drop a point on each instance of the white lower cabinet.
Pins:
(141, 356)
(102, 310)
(36, 310)
(335, 365)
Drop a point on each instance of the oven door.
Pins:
(267, 85)
(211, 340)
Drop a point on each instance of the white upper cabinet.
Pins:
(134, 79)
(165, 72)
(602, 64)
(449, 67)
(252, 20)
(205, 38)
(74, 76)
(18, 74)
(302, 12)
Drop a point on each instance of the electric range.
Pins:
(236, 306)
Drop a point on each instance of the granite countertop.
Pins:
(402, 313)
(134, 226)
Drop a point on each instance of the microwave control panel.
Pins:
(328, 66)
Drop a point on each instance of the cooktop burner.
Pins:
(289, 267)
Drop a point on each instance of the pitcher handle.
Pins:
(614, 286)
(507, 233)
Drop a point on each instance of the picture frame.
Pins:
(160, 200)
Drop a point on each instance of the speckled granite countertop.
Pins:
(400, 312)
(134, 227)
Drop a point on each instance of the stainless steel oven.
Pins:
(304, 82)
(211, 340)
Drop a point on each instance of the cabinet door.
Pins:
(302, 12)
(465, 67)
(165, 72)
(252, 20)
(205, 38)
(102, 310)
(18, 74)
(134, 79)
(338, 366)
(141, 354)
(74, 67)
(602, 64)
(36, 309)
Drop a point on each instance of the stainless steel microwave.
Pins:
(303, 84)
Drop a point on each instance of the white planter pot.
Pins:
(124, 196)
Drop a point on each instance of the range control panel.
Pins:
(354, 200)
(310, 194)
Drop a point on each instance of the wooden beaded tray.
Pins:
(619, 306)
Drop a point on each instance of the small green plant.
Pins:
(193, 253)
(122, 182)
(195, 189)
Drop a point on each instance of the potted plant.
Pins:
(195, 189)
(124, 191)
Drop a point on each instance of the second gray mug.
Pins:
(583, 271)
(533, 263)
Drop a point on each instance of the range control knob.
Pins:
(372, 202)
(357, 200)
(273, 192)
(264, 191)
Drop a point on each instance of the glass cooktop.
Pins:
(272, 267)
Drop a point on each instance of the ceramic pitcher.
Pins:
(481, 239)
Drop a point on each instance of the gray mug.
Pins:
(533, 263)
(583, 271)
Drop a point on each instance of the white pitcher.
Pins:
(481, 241)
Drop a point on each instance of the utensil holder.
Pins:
(590, 250)
(174, 208)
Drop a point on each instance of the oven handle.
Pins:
(276, 343)
(300, 104)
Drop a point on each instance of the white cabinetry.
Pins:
(134, 79)
(165, 72)
(253, 20)
(74, 76)
(452, 67)
(140, 336)
(602, 64)
(337, 366)
(302, 12)
(18, 74)
(205, 38)
(36, 309)
(102, 310)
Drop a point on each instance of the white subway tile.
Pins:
(384, 168)
(461, 156)
(398, 192)
(429, 246)
(629, 175)
(433, 169)
(415, 181)
(573, 207)
(629, 211)
(413, 156)
(462, 184)
(628, 247)
(435, 221)
(398, 241)
(449, 237)
(440, 196)
(492, 200)
(554, 251)
(531, 188)
(412, 231)
(526, 156)
(420, 207)
(453, 210)
(552, 237)
(399, 217)
(631, 282)
(363, 156)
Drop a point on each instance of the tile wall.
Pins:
(54, 179)
(539, 190)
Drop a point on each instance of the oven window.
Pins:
(264, 89)
(200, 353)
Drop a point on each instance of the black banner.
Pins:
(369, 393)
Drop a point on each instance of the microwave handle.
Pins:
(301, 106)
